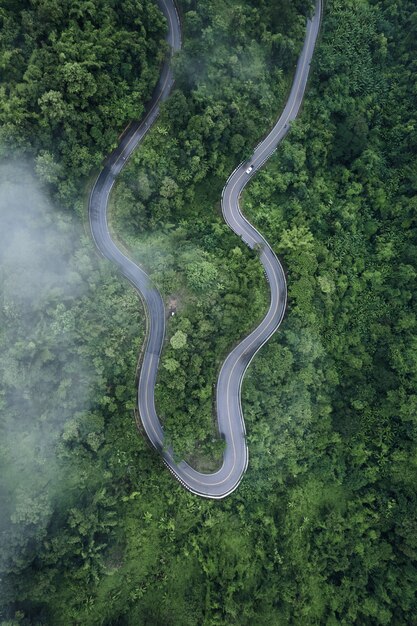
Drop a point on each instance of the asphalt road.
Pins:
(231, 424)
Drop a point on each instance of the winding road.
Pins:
(230, 420)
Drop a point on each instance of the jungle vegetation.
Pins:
(322, 530)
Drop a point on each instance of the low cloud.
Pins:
(44, 381)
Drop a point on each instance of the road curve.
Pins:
(231, 424)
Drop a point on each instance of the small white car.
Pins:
(250, 168)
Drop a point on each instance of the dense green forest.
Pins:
(231, 79)
(323, 528)
(73, 74)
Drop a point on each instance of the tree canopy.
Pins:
(323, 528)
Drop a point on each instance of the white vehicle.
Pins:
(250, 168)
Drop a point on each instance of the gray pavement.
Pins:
(231, 424)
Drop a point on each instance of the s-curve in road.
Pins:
(231, 425)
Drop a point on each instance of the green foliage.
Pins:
(323, 528)
(179, 340)
(69, 341)
(348, 375)
(73, 75)
(225, 96)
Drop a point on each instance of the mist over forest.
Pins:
(44, 383)
(93, 528)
